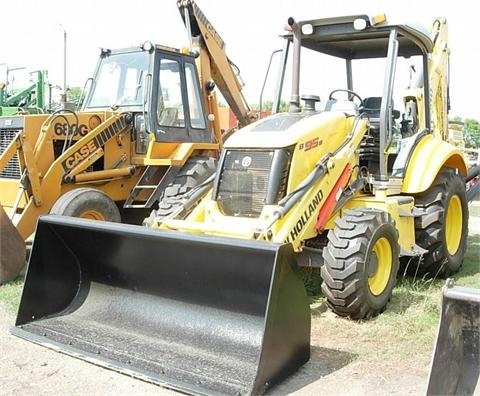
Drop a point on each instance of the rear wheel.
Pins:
(195, 171)
(360, 263)
(443, 228)
(87, 203)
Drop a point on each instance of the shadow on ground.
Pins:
(323, 361)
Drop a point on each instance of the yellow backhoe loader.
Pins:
(207, 299)
(142, 126)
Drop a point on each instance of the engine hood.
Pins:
(287, 129)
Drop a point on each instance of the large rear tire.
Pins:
(87, 203)
(195, 171)
(443, 228)
(360, 263)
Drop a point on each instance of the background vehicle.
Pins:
(147, 121)
(34, 99)
(212, 297)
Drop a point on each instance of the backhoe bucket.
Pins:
(455, 366)
(12, 249)
(204, 315)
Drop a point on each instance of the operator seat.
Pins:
(371, 106)
(168, 116)
(370, 146)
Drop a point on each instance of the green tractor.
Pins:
(32, 99)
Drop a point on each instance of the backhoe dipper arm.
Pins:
(213, 61)
(439, 76)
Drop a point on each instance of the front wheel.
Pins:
(87, 203)
(360, 263)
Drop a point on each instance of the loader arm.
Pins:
(45, 188)
(304, 210)
(439, 77)
(213, 63)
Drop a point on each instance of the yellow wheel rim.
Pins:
(453, 224)
(380, 266)
(92, 215)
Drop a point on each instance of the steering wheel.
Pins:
(351, 95)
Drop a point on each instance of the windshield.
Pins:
(119, 81)
(327, 73)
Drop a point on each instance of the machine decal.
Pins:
(88, 148)
(201, 16)
(246, 161)
(310, 144)
(79, 155)
(307, 214)
(62, 129)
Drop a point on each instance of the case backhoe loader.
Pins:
(143, 125)
(207, 299)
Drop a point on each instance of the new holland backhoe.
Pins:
(207, 299)
(148, 120)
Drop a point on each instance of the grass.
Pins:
(408, 327)
(10, 294)
(411, 319)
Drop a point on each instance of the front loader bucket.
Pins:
(12, 249)
(204, 315)
(455, 366)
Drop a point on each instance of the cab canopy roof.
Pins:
(338, 37)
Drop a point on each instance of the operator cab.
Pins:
(158, 85)
(377, 58)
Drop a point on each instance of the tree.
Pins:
(74, 94)
(472, 133)
(268, 105)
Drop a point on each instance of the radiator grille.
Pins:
(243, 182)
(12, 170)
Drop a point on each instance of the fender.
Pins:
(433, 154)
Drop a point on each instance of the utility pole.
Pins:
(64, 95)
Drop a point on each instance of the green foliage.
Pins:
(312, 280)
(268, 106)
(472, 133)
(74, 94)
(469, 275)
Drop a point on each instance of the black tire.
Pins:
(360, 263)
(87, 203)
(195, 171)
(443, 228)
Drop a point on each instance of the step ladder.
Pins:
(146, 191)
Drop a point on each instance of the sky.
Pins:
(34, 33)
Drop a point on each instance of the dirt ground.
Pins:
(30, 369)
(337, 365)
